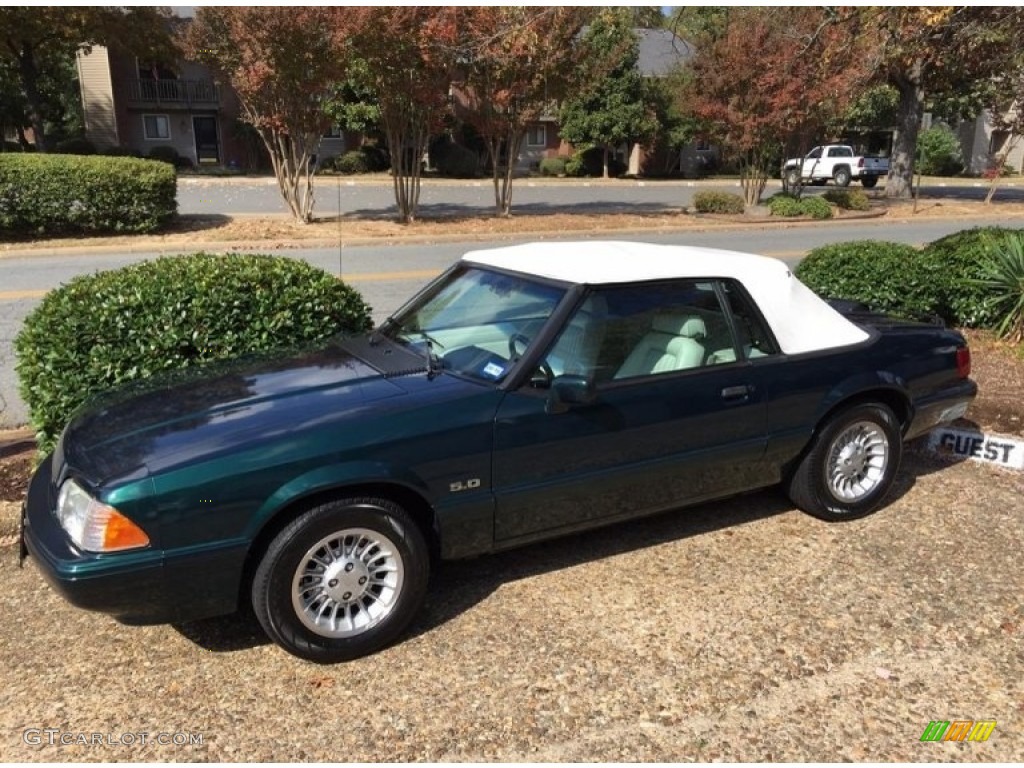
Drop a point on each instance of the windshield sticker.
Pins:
(493, 370)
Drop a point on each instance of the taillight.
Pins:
(860, 163)
(963, 362)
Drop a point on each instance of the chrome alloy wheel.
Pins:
(857, 461)
(347, 582)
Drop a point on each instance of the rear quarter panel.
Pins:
(906, 365)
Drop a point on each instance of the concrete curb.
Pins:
(700, 223)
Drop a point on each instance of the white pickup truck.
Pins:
(837, 162)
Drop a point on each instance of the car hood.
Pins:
(170, 419)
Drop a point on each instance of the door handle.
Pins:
(737, 392)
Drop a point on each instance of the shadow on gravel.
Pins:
(458, 586)
(224, 634)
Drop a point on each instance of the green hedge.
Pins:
(717, 202)
(42, 194)
(960, 258)
(552, 166)
(109, 328)
(888, 277)
(944, 279)
(785, 204)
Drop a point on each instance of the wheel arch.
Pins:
(411, 500)
(895, 398)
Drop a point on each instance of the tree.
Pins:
(614, 108)
(38, 42)
(410, 54)
(773, 102)
(926, 52)
(283, 62)
(517, 63)
(1005, 108)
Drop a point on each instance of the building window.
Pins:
(334, 132)
(156, 126)
(537, 136)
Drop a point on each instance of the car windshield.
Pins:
(477, 322)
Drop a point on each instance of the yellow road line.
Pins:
(350, 277)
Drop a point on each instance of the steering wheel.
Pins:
(517, 339)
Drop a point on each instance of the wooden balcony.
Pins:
(173, 94)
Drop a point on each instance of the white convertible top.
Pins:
(801, 321)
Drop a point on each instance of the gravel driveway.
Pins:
(739, 631)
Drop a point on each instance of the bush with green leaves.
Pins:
(711, 201)
(103, 330)
(959, 258)
(552, 166)
(1002, 279)
(352, 162)
(816, 207)
(785, 204)
(848, 199)
(46, 194)
(938, 152)
(888, 277)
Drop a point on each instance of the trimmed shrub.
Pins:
(552, 166)
(76, 146)
(351, 162)
(784, 204)
(959, 258)
(575, 166)
(815, 207)
(106, 329)
(888, 277)
(848, 199)
(709, 201)
(43, 194)
(938, 151)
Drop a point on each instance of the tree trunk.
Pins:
(290, 160)
(999, 164)
(604, 175)
(911, 112)
(494, 152)
(29, 76)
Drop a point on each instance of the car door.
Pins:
(678, 414)
(812, 163)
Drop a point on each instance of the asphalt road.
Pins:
(389, 274)
(446, 198)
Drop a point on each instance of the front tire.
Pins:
(850, 465)
(342, 580)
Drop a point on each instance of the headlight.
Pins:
(94, 526)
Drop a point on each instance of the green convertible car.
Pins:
(528, 392)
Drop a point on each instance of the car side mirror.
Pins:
(569, 390)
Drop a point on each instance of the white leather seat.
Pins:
(673, 344)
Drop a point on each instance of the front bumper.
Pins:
(126, 585)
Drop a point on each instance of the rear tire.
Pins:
(850, 465)
(841, 176)
(869, 182)
(342, 580)
(792, 179)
